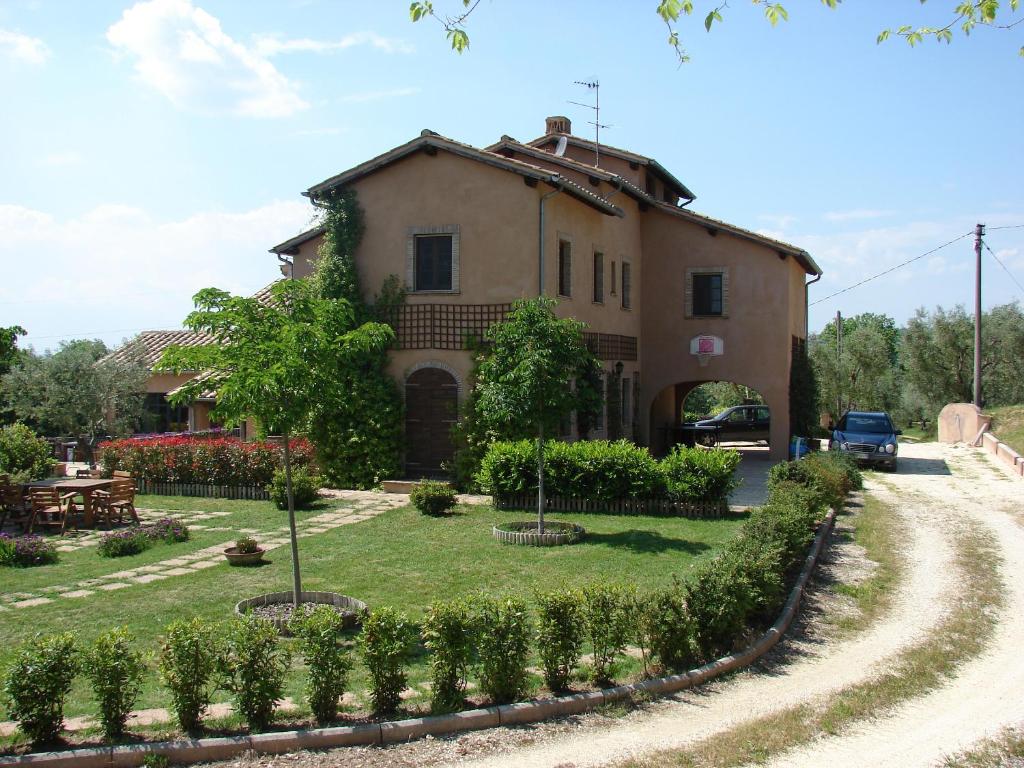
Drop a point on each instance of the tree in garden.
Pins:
(271, 361)
(525, 384)
(9, 346)
(76, 391)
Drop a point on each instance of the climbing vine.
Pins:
(357, 423)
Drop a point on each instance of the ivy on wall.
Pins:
(357, 426)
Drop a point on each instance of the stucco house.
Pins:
(605, 231)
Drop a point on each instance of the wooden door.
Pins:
(431, 408)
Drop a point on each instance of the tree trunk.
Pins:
(540, 479)
(296, 578)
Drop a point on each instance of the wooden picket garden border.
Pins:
(207, 490)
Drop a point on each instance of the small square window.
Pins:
(598, 277)
(564, 268)
(707, 294)
(433, 269)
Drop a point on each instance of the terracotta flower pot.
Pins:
(235, 557)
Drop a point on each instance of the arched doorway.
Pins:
(730, 414)
(431, 408)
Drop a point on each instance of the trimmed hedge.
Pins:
(599, 470)
(220, 461)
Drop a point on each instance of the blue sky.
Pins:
(154, 148)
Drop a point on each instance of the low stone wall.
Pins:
(1003, 452)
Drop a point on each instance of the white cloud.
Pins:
(181, 51)
(19, 47)
(857, 214)
(117, 269)
(366, 96)
(271, 45)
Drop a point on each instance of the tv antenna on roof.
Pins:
(595, 86)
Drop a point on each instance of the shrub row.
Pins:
(220, 461)
(132, 541)
(684, 623)
(606, 471)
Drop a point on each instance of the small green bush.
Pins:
(560, 631)
(386, 644)
(719, 597)
(114, 670)
(246, 545)
(503, 646)
(305, 488)
(38, 682)
(252, 665)
(23, 455)
(448, 633)
(188, 659)
(607, 626)
(327, 661)
(433, 498)
(699, 474)
(669, 627)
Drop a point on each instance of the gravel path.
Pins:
(988, 692)
(936, 487)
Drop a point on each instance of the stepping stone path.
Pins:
(362, 505)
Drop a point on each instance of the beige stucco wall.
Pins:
(765, 309)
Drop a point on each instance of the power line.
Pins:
(892, 269)
(1008, 226)
(1007, 271)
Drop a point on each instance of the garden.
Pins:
(486, 623)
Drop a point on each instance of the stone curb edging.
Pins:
(196, 750)
(526, 534)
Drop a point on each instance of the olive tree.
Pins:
(533, 377)
(269, 360)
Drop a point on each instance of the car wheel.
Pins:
(707, 439)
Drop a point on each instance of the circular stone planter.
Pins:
(235, 557)
(351, 610)
(555, 534)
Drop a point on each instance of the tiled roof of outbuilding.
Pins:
(148, 346)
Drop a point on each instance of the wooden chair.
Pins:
(120, 473)
(89, 474)
(51, 508)
(116, 502)
(13, 505)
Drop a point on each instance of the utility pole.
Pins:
(979, 231)
(839, 364)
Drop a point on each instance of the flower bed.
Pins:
(132, 541)
(26, 551)
(225, 462)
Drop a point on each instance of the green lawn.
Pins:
(400, 558)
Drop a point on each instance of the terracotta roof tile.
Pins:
(149, 345)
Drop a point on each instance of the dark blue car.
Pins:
(869, 437)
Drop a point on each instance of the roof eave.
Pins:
(430, 139)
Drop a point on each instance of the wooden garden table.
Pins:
(84, 486)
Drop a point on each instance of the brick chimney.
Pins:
(557, 124)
